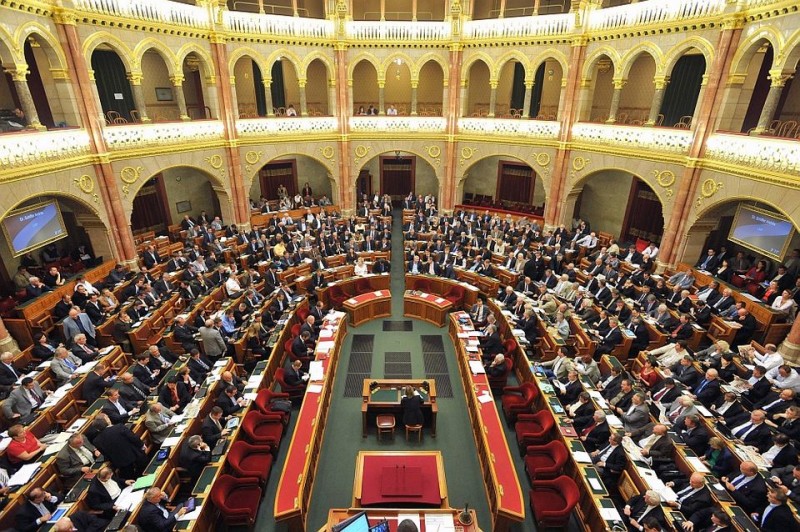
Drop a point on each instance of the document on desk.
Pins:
(325, 333)
(128, 499)
(463, 335)
(316, 371)
(613, 421)
(24, 474)
(582, 457)
(439, 523)
(314, 388)
(324, 347)
(86, 368)
(476, 367)
(485, 398)
(696, 464)
(595, 484)
(610, 514)
(172, 441)
(191, 516)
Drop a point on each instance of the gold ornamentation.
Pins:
(85, 183)
(252, 157)
(361, 151)
(215, 161)
(328, 152)
(708, 188)
(466, 154)
(665, 179)
(130, 174)
(434, 151)
(543, 159)
(579, 163)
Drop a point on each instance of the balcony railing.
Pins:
(27, 149)
(633, 137)
(763, 153)
(148, 10)
(539, 26)
(540, 129)
(138, 136)
(256, 24)
(397, 124)
(398, 31)
(266, 127)
(652, 12)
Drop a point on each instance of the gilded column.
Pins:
(20, 77)
(492, 97)
(381, 84)
(778, 80)
(177, 88)
(343, 111)
(414, 97)
(446, 97)
(463, 97)
(234, 101)
(303, 104)
(332, 97)
(658, 98)
(450, 111)
(138, 96)
(267, 82)
(536, 4)
(7, 342)
(526, 102)
(612, 113)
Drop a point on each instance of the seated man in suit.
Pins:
(198, 365)
(610, 460)
(22, 401)
(748, 489)
(212, 429)
(158, 422)
(754, 431)
(657, 447)
(693, 496)
(141, 370)
(636, 416)
(133, 390)
(174, 397)
(154, 516)
(610, 340)
(789, 422)
(644, 506)
(118, 409)
(774, 404)
(63, 365)
(708, 390)
(694, 435)
(228, 401)
(76, 458)
(9, 375)
(777, 516)
(788, 481)
(572, 388)
(294, 374)
(194, 456)
(38, 507)
(665, 392)
(82, 349)
(595, 435)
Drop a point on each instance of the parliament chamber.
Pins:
(399, 265)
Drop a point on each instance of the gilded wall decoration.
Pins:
(543, 160)
(466, 154)
(361, 151)
(129, 175)
(328, 152)
(251, 158)
(86, 184)
(216, 162)
(434, 152)
(578, 165)
(708, 188)
(665, 179)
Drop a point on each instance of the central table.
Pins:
(365, 307)
(427, 307)
(382, 396)
(404, 478)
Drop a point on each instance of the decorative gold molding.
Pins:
(328, 152)
(665, 179)
(467, 153)
(215, 161)
(708, 188)
(361, 151)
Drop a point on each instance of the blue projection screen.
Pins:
(761, 231)
(32, 227)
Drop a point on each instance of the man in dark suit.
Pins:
(117, 409)
(572, 390)
(644, 506)
(695, 436)
(777, 516)
(199, 366)
(81, 521)
(150, 257)
(708, 262)
(791, 422)
(610, 460)
(9, 375)
(748, 488)
(293, 375)
(665, 392)
(774, 404)
(153, 516)
(758, 385)
(93, 309)
(788, 481)
(228, 401)
(748, 326)
(133, 390)
(194, 456)
(691, 497)
(754, 432)
(610, 340)
(212, 429)
(490, 342)
(708, 390)
(123, 448)
(39, 505)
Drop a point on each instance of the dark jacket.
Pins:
(412, 410)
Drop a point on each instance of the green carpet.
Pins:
(342, 441)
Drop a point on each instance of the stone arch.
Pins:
(676, 52)
(423, 158)
(251, 171)
(313, 56)
(473, 58)
(436, 58)
(551, 54)
(53, 50)
(594, 57)
(56, 193)
(125, 54)
(633, 54)
(791, 53)
(363, 56)
(414, 150)
(511, 56)
(542, 172)
(161, 49)
(8, 57)
(387, 63)
(663, 194)
(206, 62)
(284, 53)
(746, 50)
(250, 53)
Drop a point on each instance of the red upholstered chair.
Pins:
(294, 392)
(510, 347)
(363, 286)
(337, 296)
(264, 400)
(250, 460)
(455, 295)
(302, 313)
(498, 384)
(237, 499)
(287, 347)
(296, 329)
(423, 285)
(518, 399)
(554, 501)
(545, 461)
(263, 429)
(349, 290)
(533, 429)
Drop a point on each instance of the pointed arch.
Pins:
(557, 55)
(746, 50)
(363, 56)
(248, 52)
(53, 51)
(161, 49)
(630, 57)
(591, 61)
(791, 53)
(104, 38)
(436, 58)
(676, 52)
(313, 56)
(205, 58)
(519, 57)
(478, 56)
(387, 62)
(283, 53)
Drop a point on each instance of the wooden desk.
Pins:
(444, 287)
(366, 307)
(371, 465)
(293, 496)
(337, 515)
(427, 307)
(385, 397)
(506, 498)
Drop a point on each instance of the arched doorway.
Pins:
(637, 94)
(397, 91)
(430, 90)
(621, 204)
(504, 182)
(478, 90)
(249, 88)
(160, 94)
(168, 196)
(600, 91)
(683, 91)
(52, 94)
(113, 86)
(397, 173)
(745, 97)
(81, 226)
(510, 90)
(293, 171)
(365, 87)
(546, 91)
(320, 99)
(198, 92)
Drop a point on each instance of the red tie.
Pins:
(588, 429)
(676, 414)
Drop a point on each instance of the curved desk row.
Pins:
(335, 294)
(368, 306)
(462, 294)
(426, 307)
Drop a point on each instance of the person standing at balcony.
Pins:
(290, 111)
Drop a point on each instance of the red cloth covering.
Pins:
(381, 477)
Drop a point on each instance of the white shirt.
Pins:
(111, 487)
(792, 381)
(360, 269)
(769, 360)
(232, 285)
(770, 455)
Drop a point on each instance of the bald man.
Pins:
(693, 496)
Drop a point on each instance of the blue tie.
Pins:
(702, 386)
(69, 364)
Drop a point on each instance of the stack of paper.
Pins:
(316, 371)
(476, 366)
(128, 499)
(439, 523)
(25, 473)
(582, 457)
